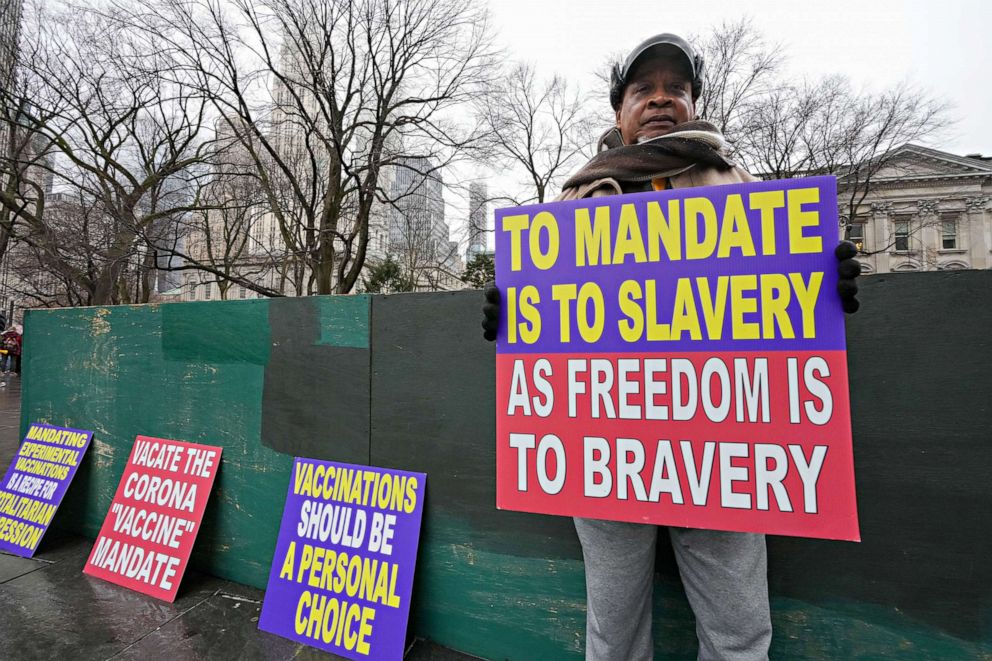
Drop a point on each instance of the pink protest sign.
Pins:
(677, 358)
(149, 532)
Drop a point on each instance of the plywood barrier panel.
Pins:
(268, 379)
(497, 584)
(920, 359)
(507, 585)
(263, 379)
(316, 398)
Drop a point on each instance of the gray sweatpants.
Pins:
(725, 575)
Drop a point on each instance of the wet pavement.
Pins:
(49, 609)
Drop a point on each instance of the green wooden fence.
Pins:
(405, 381)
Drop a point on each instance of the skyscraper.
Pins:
(10, 27)
(419, 237)
(418, 221)
(478, 220)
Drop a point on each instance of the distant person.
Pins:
(19, 348)
(10, 362)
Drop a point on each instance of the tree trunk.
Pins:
(148, 276)
(323, 270)
(107, 287)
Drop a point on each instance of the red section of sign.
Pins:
(765, 446)
(153, 520)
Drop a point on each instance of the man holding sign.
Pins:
(687, 380)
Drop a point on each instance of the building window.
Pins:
(242, 291)
(857, 236)
(948, 234)
(257, 232)
(901, 235)
(207, 291)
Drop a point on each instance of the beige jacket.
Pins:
(686, 178)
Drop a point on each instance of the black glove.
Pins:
(848, 270)
(490, 311)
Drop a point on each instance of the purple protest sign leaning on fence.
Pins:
(343, 568)
(36, 482)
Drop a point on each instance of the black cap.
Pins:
(621, 72)
(664, 39)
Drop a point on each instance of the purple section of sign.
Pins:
(773, 196)
(343, 568)
(36, 482)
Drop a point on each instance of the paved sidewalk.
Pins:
(49, 609)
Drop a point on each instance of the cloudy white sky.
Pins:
(944, 46)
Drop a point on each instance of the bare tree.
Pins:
(328, 92)
(44, 264)
(740, 66)
(791, 130)
(538, 127)
(230, 239)
(114, 135)
(826, 127)
(876, 125)
(229, 236)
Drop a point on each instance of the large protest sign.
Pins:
(148, 534)
(36, 482)
(343, 568)
(677, 358)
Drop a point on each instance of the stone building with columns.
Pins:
(926, 210)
